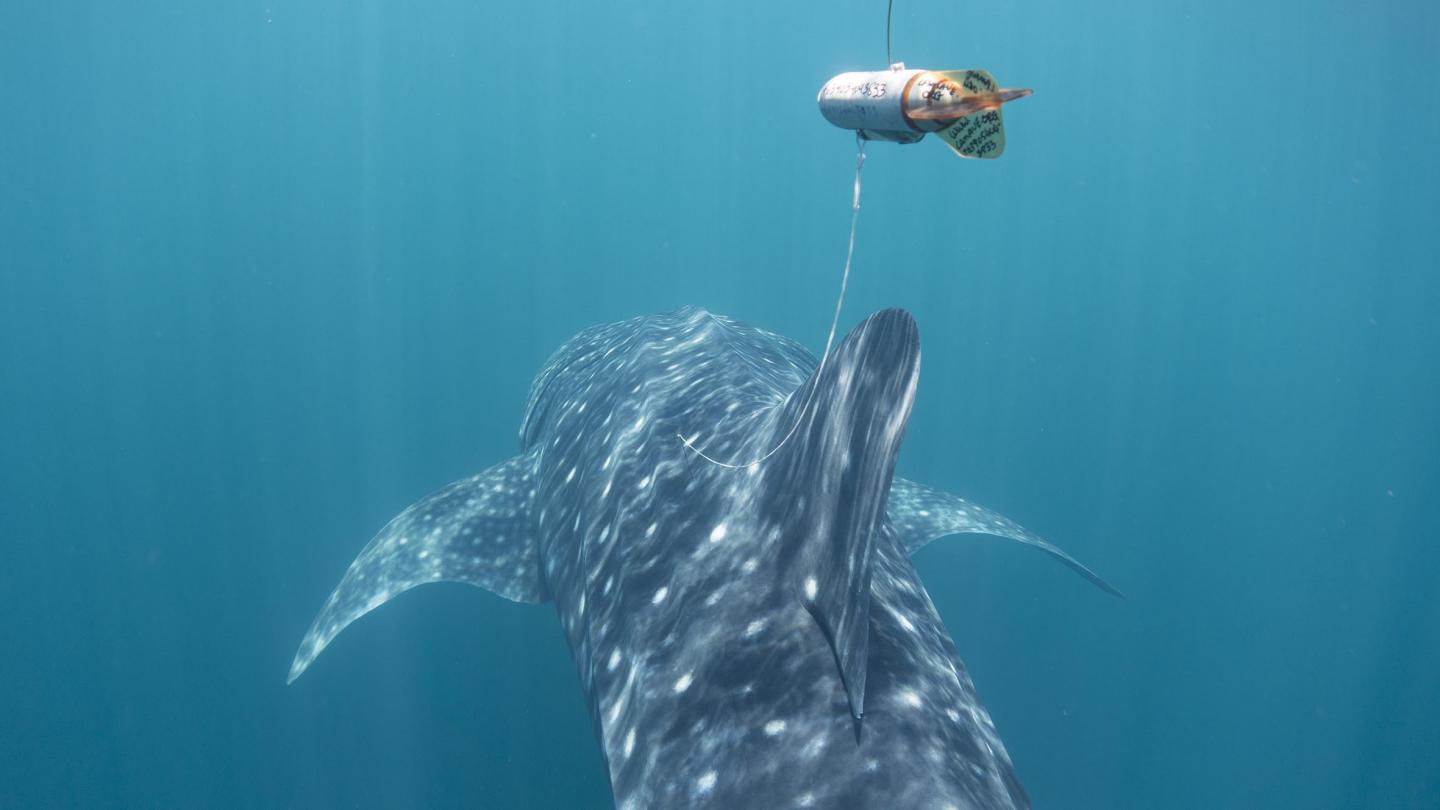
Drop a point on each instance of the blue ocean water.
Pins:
(271, 271)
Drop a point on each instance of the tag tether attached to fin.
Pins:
(834, 322)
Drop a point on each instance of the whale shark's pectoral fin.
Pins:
(828, 485)
(476, 531)
(921, 514)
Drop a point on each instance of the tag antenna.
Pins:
(889, 14)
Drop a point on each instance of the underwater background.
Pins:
(271, 271)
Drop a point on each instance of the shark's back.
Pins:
(711, 681)
(648, 360)
(749, 636)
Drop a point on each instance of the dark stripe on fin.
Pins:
(840, 462)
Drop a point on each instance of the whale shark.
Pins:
(746, 636)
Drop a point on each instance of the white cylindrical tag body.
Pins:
(871, 103)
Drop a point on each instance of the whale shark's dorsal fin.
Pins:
(921, 514)
(834, 477)
(476, 531)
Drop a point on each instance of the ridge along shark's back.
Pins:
(750, 637)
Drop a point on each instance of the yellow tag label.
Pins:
(981, 134)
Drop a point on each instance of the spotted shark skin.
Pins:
(753, 637)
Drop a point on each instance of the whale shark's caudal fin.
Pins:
(836, 472)
(921, 514)
(476, 531)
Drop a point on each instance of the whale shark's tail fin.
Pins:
(476, 531)
(921, 514)
(840, 463)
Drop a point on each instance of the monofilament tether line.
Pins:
(834, 322)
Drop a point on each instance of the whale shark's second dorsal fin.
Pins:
(834, 476)
(921, 514)
(476, 531)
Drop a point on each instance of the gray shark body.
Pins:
(751, 637)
